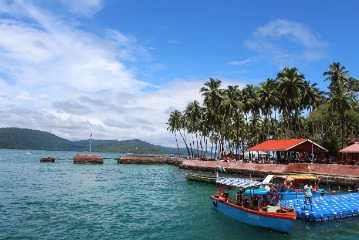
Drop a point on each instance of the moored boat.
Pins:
(288, 187)
(200, 178)
(254, 210)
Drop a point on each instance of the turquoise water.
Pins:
(63, 200)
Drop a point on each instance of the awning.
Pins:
(302, 144)
(256, 153)
(238, 182)
(351, 149)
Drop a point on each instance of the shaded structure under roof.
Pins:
(352, 154)
(301, 144)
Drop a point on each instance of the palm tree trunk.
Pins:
(177, 145)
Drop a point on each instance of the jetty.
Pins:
(328, 207)
(88, 159)
(331, 174)
(154, 159)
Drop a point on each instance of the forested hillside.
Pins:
(18, 138)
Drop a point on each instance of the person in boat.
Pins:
(308, 193)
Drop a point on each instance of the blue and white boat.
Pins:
(287, 187)
(253, 210)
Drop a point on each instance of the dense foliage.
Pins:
(288, 106)
(17, 138)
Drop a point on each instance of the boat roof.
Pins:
(239, 182)
(290, 177)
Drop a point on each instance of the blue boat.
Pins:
(253, 210)
(292, 187)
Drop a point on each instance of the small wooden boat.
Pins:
(200, 178)
(254, 210)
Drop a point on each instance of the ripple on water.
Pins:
(112, 201)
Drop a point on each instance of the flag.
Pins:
(310, 167)
(220, 169)
(90, 135)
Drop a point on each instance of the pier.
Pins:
(325, 208)
(330, 174)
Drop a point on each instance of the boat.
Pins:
(287, 187)
(253, 210)
(200, 178)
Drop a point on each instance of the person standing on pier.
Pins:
(308, 193)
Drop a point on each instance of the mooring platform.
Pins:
(328, 207)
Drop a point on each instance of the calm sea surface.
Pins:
(63, 200)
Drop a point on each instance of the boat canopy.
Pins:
(268, 179)
(238, 182)
(296, 176)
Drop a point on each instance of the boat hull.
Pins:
(200, 178)
(262, 219)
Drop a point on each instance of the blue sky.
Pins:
(117, 68)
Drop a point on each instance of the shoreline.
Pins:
(331, 174)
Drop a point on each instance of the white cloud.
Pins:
(287, 42)
(84, 7)
(56, 77)
(243, 62)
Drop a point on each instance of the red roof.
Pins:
(351, 149)
(302, 144)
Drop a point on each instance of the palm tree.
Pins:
(340, 99)
(353, 86)
(336, 75)
(192, 115)
(268, 98)
(232, 106)
(213, 97)
(176, 123)
(312, 96)
(290, 88)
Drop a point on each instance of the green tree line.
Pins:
(284, 107)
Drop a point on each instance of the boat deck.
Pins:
(327, 207)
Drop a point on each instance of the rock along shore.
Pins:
(331, 174)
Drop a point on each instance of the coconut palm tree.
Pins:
(290, 88)
(267, 94)
(336, 75)
(192, 115)
(311, 96)
(340, 99)
(176, 123)
(213, 97)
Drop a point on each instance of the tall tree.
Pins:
(291, 88)
(339, 99)
(176, 123)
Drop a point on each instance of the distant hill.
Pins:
(20, 138)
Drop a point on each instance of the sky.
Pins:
(118, 68)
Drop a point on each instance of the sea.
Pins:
(63, 200)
